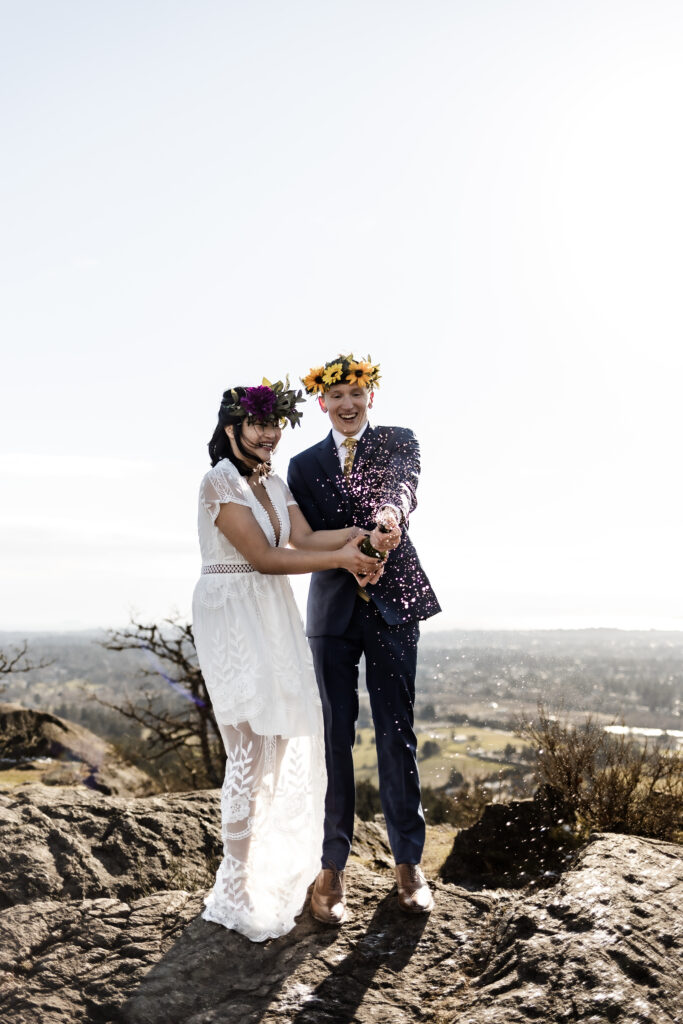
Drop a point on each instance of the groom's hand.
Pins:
(386, 536)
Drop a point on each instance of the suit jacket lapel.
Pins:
(366, 447)
(326, 454)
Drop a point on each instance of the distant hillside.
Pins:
(559, 640)
(487, 675)
(82, 669)
(614, 674)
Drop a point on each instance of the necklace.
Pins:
(259, 474)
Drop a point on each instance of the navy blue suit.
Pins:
(342, 627)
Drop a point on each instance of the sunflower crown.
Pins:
(342, 370)
(266, 403)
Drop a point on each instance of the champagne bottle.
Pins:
(368, 548)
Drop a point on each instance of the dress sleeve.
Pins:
(289, 497)
(218, 488)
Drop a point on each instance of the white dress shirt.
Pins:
(339, 439)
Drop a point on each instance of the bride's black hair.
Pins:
(219, 445)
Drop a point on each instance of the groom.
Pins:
(358, 475)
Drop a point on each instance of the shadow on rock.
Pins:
(390, 940)
(215, 975)
(313, 974)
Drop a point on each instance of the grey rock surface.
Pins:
(603, 944)
(80, 757)
(64, 843)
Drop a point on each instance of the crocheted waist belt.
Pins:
(227, 567)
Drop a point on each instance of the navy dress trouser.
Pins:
(390, 661)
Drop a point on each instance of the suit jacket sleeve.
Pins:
(303, 497)
(401, 474)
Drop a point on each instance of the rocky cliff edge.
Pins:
(102, 897)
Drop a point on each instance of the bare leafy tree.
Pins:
(185, 729)
(17, 660)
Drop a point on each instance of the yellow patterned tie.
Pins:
(350, 444)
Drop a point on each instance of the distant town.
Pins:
(473, 689)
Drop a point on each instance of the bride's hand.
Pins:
(371, 577)
(351, 558)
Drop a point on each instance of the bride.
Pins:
(256, 663)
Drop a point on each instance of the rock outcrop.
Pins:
(106, 928)
(71, 843)
(513, 844)
(77, 756)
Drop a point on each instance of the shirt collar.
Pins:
(339, 438)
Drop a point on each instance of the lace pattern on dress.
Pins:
(272, 798)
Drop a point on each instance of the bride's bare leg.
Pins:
(252, 770)
(279, 755)
(244, 767)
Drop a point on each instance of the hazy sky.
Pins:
(484, 196)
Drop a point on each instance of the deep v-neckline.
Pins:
(272, 513)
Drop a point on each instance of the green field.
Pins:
(17, 776)
(474, 752)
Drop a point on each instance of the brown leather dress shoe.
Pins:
(328, 899)
(414, 895)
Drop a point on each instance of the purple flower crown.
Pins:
(265, 403)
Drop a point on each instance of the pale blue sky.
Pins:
(484, 196)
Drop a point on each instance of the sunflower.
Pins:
(360, 373)
(313, 381)
(333, 373)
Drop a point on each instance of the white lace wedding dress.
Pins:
(255, 659)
